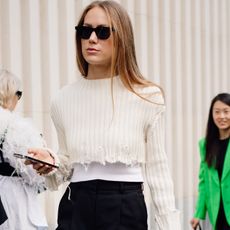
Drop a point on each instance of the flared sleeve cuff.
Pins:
(56, 161)
(169, 221)
(58, 176)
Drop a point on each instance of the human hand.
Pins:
(194, 222)
(43, 155)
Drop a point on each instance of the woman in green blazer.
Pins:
(214, 174)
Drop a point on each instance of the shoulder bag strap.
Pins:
(1, 144)
(198, 227)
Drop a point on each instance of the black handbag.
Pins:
(3, 216)
(198, 227)
(5, 168)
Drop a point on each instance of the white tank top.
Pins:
(110, 171)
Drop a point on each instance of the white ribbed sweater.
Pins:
(90, 128)
(93, 127)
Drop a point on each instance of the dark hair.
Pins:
(212, 131)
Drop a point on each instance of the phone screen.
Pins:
(34, 160)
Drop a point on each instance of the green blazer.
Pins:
(210, 188)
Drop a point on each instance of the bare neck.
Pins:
(224, 134)
(99, 72)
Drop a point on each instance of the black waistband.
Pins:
(7, 170)
(104, 185)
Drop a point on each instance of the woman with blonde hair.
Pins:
(19, 184)
(110, 126)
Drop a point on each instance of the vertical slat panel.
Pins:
(154, 44)
(228, 43)
(70, 23)
(183, 45)
(207, 47)
(223, 44)
(26, 60)
(216, 46)
(32, 41)
(187, 105)
(140, 29)
(198, 63)
(176, 95)
(5, 34)
(15, 35)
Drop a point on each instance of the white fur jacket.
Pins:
(19, 134)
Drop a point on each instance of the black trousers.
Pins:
(103, 205)
(3, 216)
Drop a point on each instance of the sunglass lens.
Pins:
(19, 94)
(102, 32)
(85, 32)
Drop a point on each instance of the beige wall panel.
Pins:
(183, 45)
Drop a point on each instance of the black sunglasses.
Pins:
(18, 94)
(102, 32)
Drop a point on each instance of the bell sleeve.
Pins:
(158, 176)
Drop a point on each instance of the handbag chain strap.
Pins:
(2, 139)
(198, 227)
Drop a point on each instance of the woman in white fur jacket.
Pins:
(19, 183)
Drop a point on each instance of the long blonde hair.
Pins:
(124, 62)
(9, 85)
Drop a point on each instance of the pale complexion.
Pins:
(14, 102)
(97, 52)
(221, 117)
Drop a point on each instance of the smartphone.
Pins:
(26, 157)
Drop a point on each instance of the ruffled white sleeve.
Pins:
(158, 177)
(21, 134)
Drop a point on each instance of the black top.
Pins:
(5, 168)
(223, 144)
(3, 216)
(221, 223)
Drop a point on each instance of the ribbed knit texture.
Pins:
(95, 130)
(93, 127)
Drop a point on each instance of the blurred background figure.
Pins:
(214, 174)
(19, 184)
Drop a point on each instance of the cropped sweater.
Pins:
(101, 121)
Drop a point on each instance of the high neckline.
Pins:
(224, 140)
(100, 79)
(98, 82)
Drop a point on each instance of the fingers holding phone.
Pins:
(43, 169)
(41, 160)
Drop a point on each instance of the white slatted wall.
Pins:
(184, 45)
